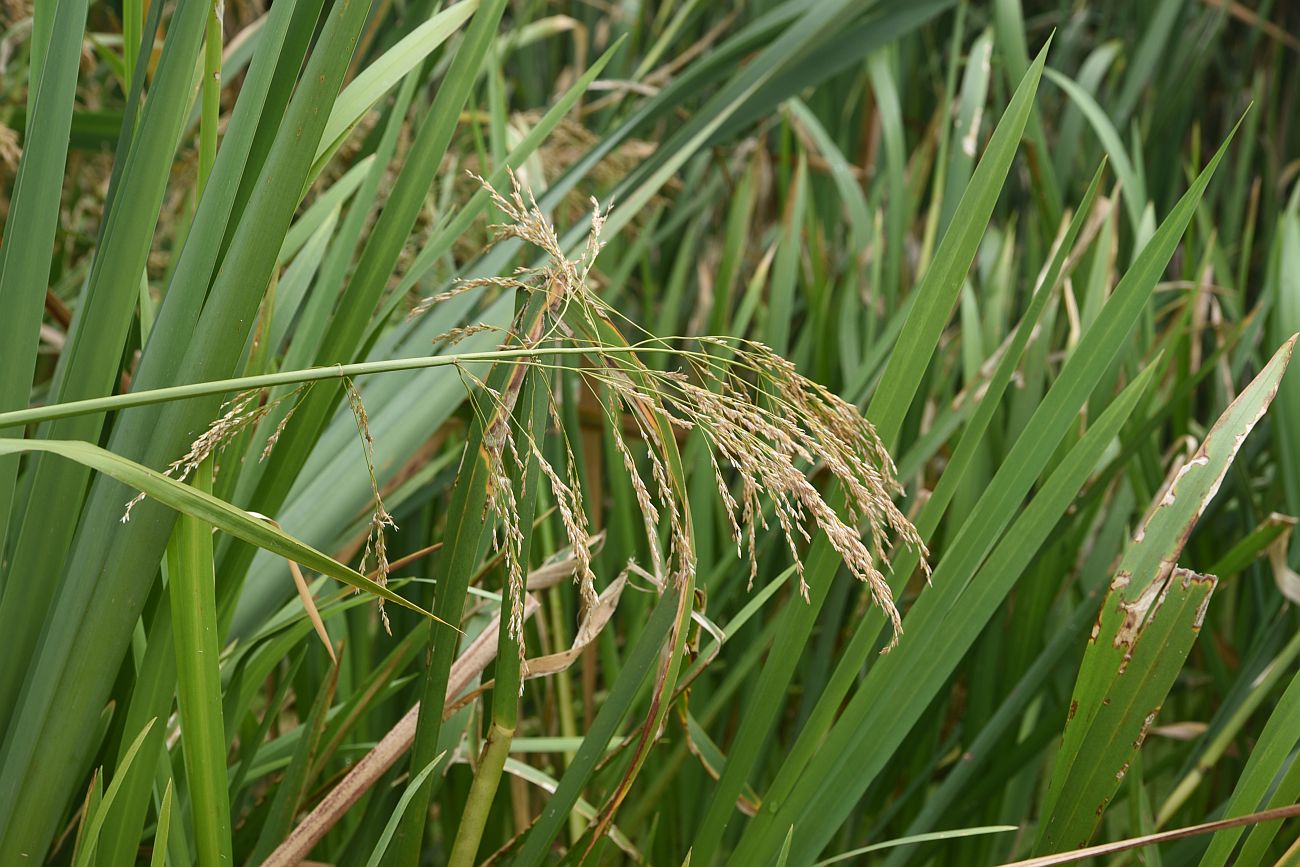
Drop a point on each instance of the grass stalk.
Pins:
(507, 685)
(194, 611)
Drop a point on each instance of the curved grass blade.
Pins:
(918, 838)
(381, 847)
(385, 71)
(1275, 745)
(197, 504)
(160, 834)
(1140, 583)
(89, 834)
(1135, 194)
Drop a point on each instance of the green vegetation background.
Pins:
(1049, 250)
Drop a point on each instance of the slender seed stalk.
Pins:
(564, 695)
(457, 564)
(147, 397)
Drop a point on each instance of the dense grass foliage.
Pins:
(750, 432)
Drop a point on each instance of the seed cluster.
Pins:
(376, 543)
(242, 412)
(766, 427)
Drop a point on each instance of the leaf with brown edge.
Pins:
(1143, 581)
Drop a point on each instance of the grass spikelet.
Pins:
(240, 413)
(376, 542)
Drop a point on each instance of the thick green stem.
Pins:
(463, 543)
(192, 588)
(481, 794)
(509, 665)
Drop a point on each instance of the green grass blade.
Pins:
(152, 697)
(534, 402)
(1284, 290)
(292, 290)
(917, 838)
(88, 364)
(378, 854)
(89, 834)
(293, 788)
(197, 504)
(966, 126)
(33, 218)
(1142, 574)
(1286, 793)
(385, 71)
(1134, 190)
(1278, 739)
(159, 857)
(464, 540)
(938, 289)
(884, 84)
(1099, 757)
(1009, 26)
(781, 291)
(637, 667)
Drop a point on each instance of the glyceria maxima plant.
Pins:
(834, 431)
